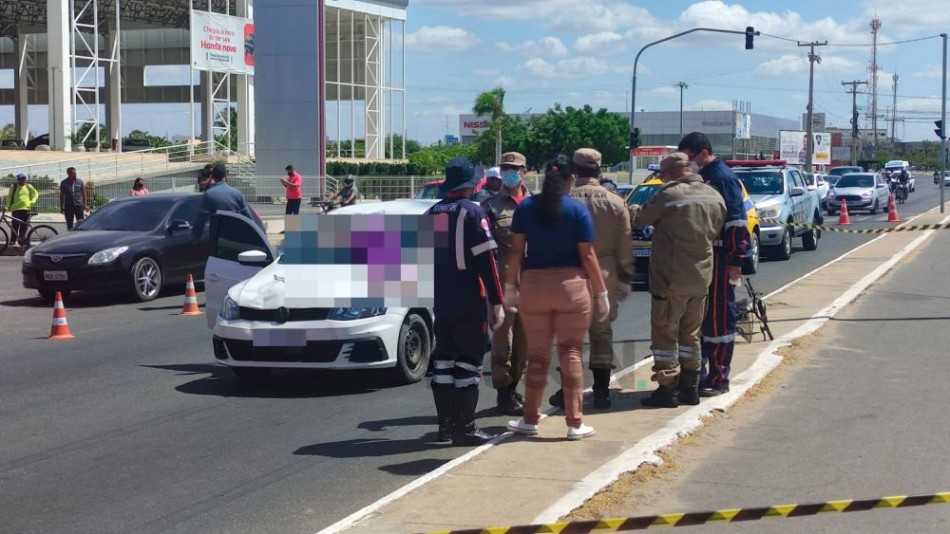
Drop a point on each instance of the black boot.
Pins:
(557, 400)
(444, 396)
(601, 389)
(508, 403)
(663, 397)
(689, 388)
(465, 432)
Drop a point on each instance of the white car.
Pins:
(254, 333)
(818, 182)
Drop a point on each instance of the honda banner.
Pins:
(222, 43)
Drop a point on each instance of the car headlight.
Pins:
(769, 212)
(108, 255)
(230, 311)
(831, 194)
(28, 257)
(351, 314)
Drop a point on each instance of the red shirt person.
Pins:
(294, 185)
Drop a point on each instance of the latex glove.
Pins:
(498, 316)
(512, 296)
(735, 275)
(603, 307)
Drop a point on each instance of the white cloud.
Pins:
(575, 67)
(441, 39)
(929, 72)
(797, 65)
(548, 46)
(709, 105)
(600, 44)
(664, 92)
(561, 15)
(907, 16)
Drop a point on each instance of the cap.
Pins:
(459, 174)
(587, 158)
(514, 159)
(494, 172)
(21, 176)
(676, 159)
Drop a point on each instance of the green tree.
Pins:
(516, 140)
(8, 131)
(412, 146)
(492, 104)
(432, 160)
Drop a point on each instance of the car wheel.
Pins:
(251, 374)
(783, 251)
(751, 265)
(810, 240)
(413, 350)
(146, 279)
(875, 207)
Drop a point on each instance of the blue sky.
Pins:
(582, 52)
(577, 52)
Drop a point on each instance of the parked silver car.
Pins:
(862, 191)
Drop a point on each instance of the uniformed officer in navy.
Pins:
(468, 298)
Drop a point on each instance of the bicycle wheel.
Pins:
(39, 234)
(4, 240)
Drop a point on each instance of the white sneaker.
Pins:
(575, 433)
(522, 428)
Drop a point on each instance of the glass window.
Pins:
(795, 178)
(231, 236)
(187, 210)
(865, 181)
(138, 215)
(642, 194)
(763, 182)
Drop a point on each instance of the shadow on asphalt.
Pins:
(84, 299)
(366, 448)
(415, 468)
(281, 384)
(385, 424)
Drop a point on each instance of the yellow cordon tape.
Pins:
(731, 515)
(838, 229)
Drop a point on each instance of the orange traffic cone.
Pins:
(844, 218)
(892, 210)
(60, 328)
(191, 299)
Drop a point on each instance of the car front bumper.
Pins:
(864, 203)
(772, 235)
(111, 277)
(359, 344)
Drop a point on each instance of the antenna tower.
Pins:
(875, 26)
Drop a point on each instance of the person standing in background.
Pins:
(20, 201)
(294, 185)
(138, 188)
(73, 199)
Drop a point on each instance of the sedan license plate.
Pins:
(641, 252)
(55, 276)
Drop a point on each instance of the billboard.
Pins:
(793, 146)
(743, 125)
(822, 154)
(222, 43)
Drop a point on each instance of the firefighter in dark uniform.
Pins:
(468, 298)
(719, 324)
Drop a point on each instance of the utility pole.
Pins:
(854, 119)
(943, 118)
(812, 58)
(875, 28)
(894, 111)
(682, 86)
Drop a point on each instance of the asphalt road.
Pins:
(863, 417)
(131, 427)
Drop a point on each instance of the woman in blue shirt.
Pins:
(551, 250)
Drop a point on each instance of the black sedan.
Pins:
(136, 244)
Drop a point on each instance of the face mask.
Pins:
(511, 178)
(693, 166)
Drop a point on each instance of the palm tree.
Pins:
(492, 104)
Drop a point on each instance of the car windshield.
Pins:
(129, 216)
(642, 194)
(864, 181)
(763, 182)
(810, 179)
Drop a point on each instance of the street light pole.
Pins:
(682, 86)
(812, 58)
(633, 92)
(943, 117)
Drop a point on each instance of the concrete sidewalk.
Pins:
(529, 480)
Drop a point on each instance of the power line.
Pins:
(864, 45)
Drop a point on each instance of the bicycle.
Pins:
(35, 234)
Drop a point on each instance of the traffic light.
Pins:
(635, 138)
(939, 130)
(749, 35)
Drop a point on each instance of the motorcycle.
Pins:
(899, 190)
